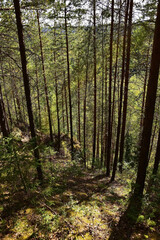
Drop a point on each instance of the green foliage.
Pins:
(14, 156)
(131, 151)
(140, 219)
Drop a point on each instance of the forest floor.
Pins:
(73, 203)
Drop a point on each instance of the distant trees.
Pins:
(85, 72)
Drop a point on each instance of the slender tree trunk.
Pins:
(95, 83)
(66, 103)
(102, 110)
(121, 96)
(26, 85)
(149, 111)
(106, 113)
(45, 80)
(79, 108)
(85, 100)
(16, 94)
(110, 96)
(3, 123)
(98, 134)
(126, 87)
(69, 81)
(157, 156)
(3, 109)
(57, 99)
(6, 97)
(144, 93)
(152, 139)
(63, 109)
(38, 95)
(115, 73)
(57, 106)
(15, 107)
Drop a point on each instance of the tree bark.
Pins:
(66, 103)
(16, 94)
(63, 108)
(38, 95)
(157, 156)
(4, 110)
(121, 96)
(149, 110)
(152, 139)
(106, 113)
(95, 83)
(144, 91)
(126, 87)
(102, 100)
(69, 82)
(6, 97)
(115, 79)
(2, 117)
(79, 106)
(57, 99)
(85, 100)
(110, 96)
(45, 80)
(26, 85)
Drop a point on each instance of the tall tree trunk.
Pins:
(3, 109)
(15, 107)
(153, 136)
(144, 91)
(26, 85)
(6, 97)
(106, 114)
(69, 81)
(85, 99)
(63, 108)
(121, 95)
(79, 106)
(16, 94)
(57, 107)
(110, 96)
(38, 95)
(3, 123)
(126, 87)
(45, 80)
(157, 156)
(95, 83)
(98, 135)
(149, 111)
(115, 75)
(102, 109)
(66, 103)
(57, 99)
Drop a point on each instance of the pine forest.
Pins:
(79, 119)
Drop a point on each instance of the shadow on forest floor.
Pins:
(73, 203)
(126, 225)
